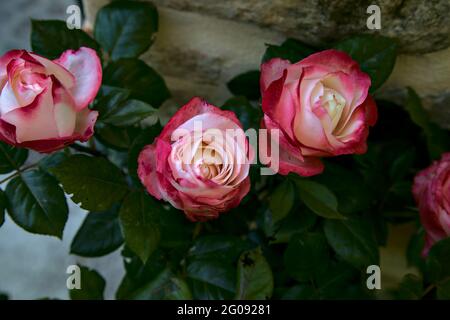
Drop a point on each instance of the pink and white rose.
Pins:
(44, 103)
(199, 163)
(321, 107)
(431, 191)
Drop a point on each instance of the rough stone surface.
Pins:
(198, 53)
(429, 75)
(419, 26)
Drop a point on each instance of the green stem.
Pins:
(15, 174)
(87, 150)
(198, 228)
(428, 290)
(18, 172)
(27, 167)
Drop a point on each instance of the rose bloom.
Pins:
(202, 171)
(321, 107)
(44, 103)
(431, 191)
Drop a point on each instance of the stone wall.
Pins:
(202, 44)
(418, 25)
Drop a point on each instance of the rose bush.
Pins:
(290, 238)
(431, 191)
(203, 171)
(44, 103)
(320, 105)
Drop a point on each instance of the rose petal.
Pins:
(8, 100)
(271, 71)
(7, 132)
(84, 125)
(64, 112)
(4, 60)
(194, 107)
(147, 171)
(308, 128)
(290, 156)
(33, 122)
(51, 68)
(85, 66)
(332, 60)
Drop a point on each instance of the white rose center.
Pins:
(334, 104)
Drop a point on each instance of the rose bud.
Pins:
(199, 163)
(44, 103)
(431, 191)
(320, 106)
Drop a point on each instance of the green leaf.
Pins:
(206, 291)
(165, 286)
(291, 49)
(295, 222)
(282, 200)
(414, 250)
(114, 137)
(212, 266)
(335, 282)
(438, 262)
(52, 160)
(94, 182)
(306, 256)
(375, 54)
(92, 286)
(139, 216)
(402, 165)
(437, 139)
(176, 230)
(302, 291)
(37, 203)
(138, 274)
(11, 158)
(126, 29)
(244, 110)
(353, 240)
(129, 113)
(144, 83)
(443, 290)
(99, 234)
(410, 288)
(245, 84)
(255, 279)
(218, 247)
(50, 38)
(265, 223)
(116, 109)
(319, 199)
(3, 205)
(348, 186)
(109, 99)
(215, 274)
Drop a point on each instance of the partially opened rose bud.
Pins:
(431, 191)
(44, 103)
(321, 107)
(199, 163)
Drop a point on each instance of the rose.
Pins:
(43, 103)
(431, 190)
(321, 107)
(199, 163)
